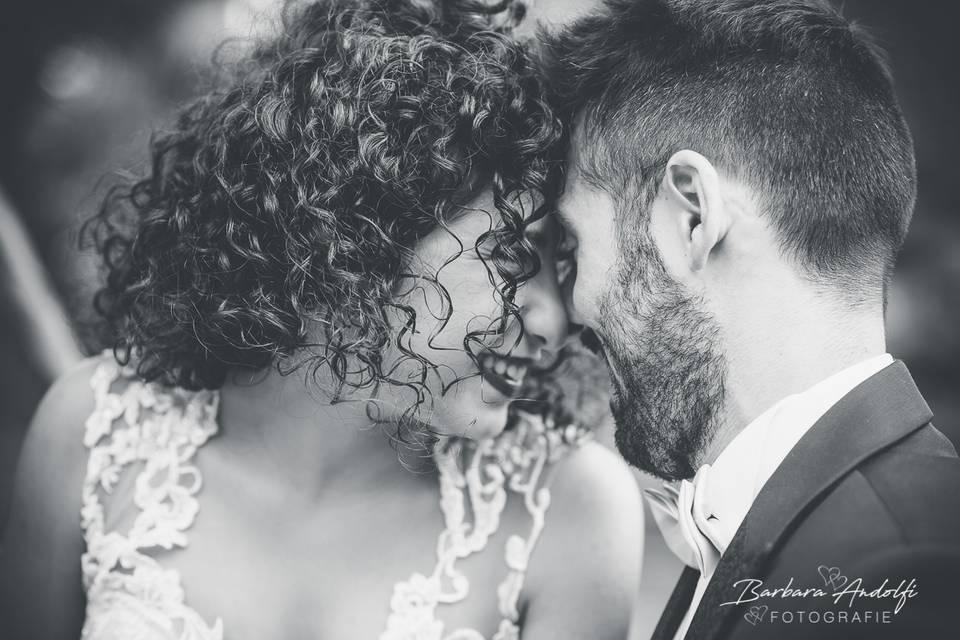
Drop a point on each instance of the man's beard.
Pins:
(667, 369)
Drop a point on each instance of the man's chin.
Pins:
(639, 446)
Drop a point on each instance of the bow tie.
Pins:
(684, 520)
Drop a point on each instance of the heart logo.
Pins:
(755, 614)
(832, 577)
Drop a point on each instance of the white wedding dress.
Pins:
(156, 431)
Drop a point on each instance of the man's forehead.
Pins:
(578, 157)
(584, 206)
(577, 141)
(575, 187)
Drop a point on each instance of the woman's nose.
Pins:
(567, 289)
(544, 312)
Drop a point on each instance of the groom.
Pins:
(740, 179)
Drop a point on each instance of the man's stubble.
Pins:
(668, 368)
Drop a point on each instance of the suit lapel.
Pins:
(879, 412)
(677, 605)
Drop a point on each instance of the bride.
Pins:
(329, 297)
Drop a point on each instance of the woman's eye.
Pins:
(497, 257)
(566, 260)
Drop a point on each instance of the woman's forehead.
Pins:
(480, 214)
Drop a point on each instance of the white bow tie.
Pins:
(681, 514)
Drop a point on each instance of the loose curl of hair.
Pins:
(290, 196)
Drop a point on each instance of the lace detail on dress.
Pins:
(129, 596)
(481, 473)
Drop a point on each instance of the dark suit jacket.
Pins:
(870, 493)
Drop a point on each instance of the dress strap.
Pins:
(528, 455)
(152, 432)
(482, 475)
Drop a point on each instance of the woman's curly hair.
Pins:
(290, 196)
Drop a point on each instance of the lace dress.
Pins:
(157, 430)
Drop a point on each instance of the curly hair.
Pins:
(292, 193)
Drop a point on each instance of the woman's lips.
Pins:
(504, 373)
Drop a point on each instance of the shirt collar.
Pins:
(747, 462)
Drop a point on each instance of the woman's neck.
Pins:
(285, 426)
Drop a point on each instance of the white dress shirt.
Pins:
(723, 492)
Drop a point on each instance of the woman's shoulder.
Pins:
(594, 494)
(580, 474)
(57, 424)
(68, 404)
(81, 407)
(591, 472)
(40, 575)
(52, 461)
(53, 450)
(591, 548)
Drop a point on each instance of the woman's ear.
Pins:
(692, 188)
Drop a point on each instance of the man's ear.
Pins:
(692, 186)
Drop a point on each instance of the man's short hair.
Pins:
(785, 96)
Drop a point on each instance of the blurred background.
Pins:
(85, 83)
